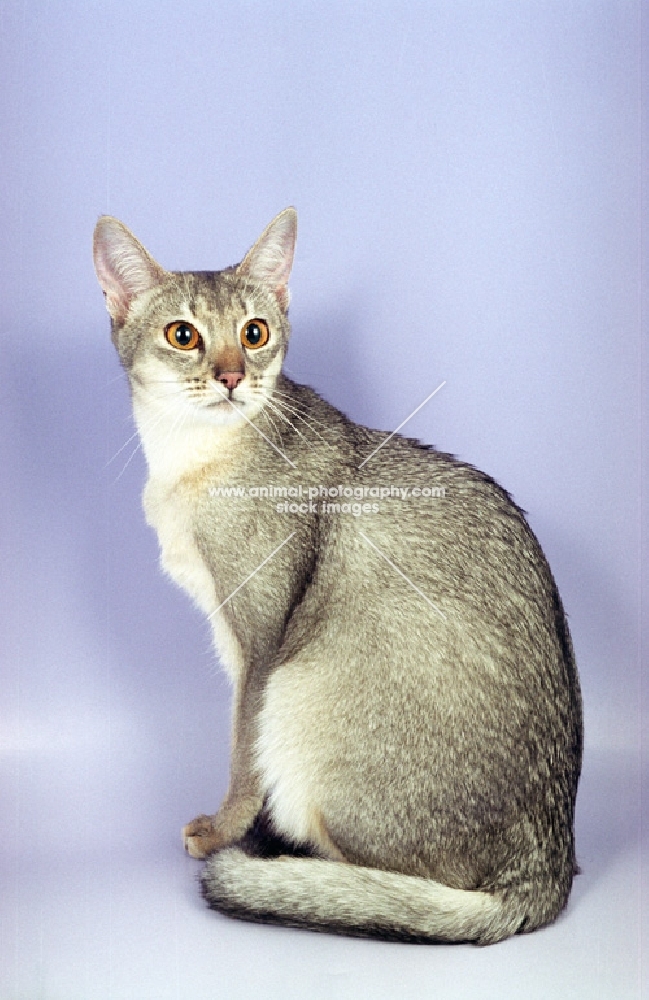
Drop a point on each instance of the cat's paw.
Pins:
(200, 837)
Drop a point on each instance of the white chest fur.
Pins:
(177, 470)
(169, 512)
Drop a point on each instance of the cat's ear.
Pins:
(124, 268)
(269, 261)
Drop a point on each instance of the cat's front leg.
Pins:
(201, 837)
(207, 834)
(244, 799)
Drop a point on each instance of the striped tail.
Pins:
(332, 896)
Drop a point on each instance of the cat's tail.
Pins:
(344, 898)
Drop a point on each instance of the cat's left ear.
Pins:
(124, 268)
(270, 260)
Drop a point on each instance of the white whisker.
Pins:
(300, 407)
(128, 461)
(259, 431)
(283, 416)
(268, 417)
(298, 416)
(150, 425)
(119, 452)
(116, 378)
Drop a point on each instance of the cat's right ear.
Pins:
(124, 268)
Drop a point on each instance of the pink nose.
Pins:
(230, 379)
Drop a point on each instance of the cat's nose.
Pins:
(230, 379)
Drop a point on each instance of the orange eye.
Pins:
(255, 334)
(182, 335)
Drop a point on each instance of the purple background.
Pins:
(467, 178)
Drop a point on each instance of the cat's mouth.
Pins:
(225, 403)
(228, 411)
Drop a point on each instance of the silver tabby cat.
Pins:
(406, 738)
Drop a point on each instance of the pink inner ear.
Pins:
(283, 296)
(117, 301)
(270, 260)
(124, 268)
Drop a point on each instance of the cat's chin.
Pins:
(226, 414)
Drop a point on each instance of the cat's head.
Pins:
(201, 342)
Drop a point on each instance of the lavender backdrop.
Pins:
(467, 177)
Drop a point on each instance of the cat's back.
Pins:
(438, 519)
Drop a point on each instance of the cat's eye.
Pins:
(255, 334)
(182, 335)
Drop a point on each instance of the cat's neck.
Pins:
(175, 452)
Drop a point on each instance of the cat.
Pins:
(407, 732)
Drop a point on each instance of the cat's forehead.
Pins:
(216, 293)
